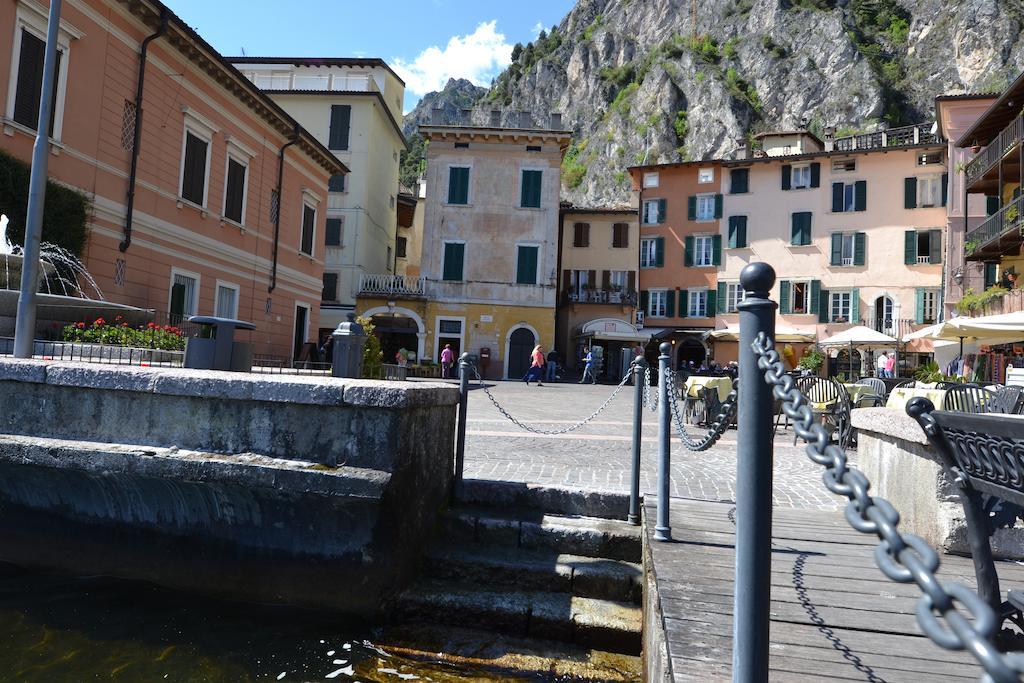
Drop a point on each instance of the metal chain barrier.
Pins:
(552, 432)
(717, 428)
(902, 558)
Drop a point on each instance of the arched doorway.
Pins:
(884, 315)
(395, 333)
(690, 349)
(520, 345)
(397, 313)
(846, 365)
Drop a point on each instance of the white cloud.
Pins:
(477, 57)
(537, 28)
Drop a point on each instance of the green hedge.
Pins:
(64, 212)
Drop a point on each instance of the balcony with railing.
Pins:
(1000, 234)
(268, 80)
(615, 297)
(978, 170)
(386, 284)
(906, 136)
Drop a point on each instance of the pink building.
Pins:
(225, 211)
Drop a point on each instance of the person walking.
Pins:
(552, 366)
(447, 360)
(890, 366)
(882, 364)
(588, 366)
(536, 370)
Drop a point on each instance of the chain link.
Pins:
(717, 428)
(904, 559)
(551, 432)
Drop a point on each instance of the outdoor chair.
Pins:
(1006, 400)
(877, 385)
(967, 398)
(712, 404)
(947, 385)
(829, 402)
(983, 456)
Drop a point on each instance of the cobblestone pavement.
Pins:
(598, 455)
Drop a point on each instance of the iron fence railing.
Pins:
(386, 284)
(905, 136)
(1008, 219)
(84, 352)
(985, 159)
(600, 296)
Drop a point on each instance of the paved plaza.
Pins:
(597, 456)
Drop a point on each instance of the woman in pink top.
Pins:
(447, 359)
(536, 370)
(890, 365)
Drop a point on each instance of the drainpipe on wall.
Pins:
(137, 135)
(280, 200)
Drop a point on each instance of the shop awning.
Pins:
(783, 334)
(639, 336)
(668, 332)
(613, 329)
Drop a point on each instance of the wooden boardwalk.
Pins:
(835, 616)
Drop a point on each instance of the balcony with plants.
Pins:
(999, 235)
(616, 296)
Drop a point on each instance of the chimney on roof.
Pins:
(829, 134)
(466, 117)
(556, 121)
(742, 148)
(495, 118)
(525, 120)
(437, 116)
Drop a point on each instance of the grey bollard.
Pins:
(460, 436)
(347, 349)
(754, 455)
(639, 366)
(663, 529)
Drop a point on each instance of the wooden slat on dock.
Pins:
(834, 615)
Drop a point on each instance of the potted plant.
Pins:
(812, 360)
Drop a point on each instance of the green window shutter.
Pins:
(723, 293)
(855, 306)
(711, 304)
(716, 250)
(688, 251)
(815, 304)
(526, 270)
(824, 310)
(645, 299)
(910, 247)
(935, 246)
(458, 185)
(733, 240)
(337, 133)
(859, 248)
(837, 249)
(919, 310)
(794, 237)
(691, 208)
(670, 304)
(787, 177)
(801, 228)
(910, 193)
(741, 239)
(659, 252)
(739, 178)
(990, 274)
(718, 206)
(945, 188)
(815, 174)
(684, 303)
(784, 305)
(530, 190)
(860, 191)
(662, 210)
(837, 197)
(454, 255)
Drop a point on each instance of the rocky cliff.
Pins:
(664, 80)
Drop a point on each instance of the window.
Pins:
(620, 235)
(333, 236)
(651, 253)
(848, 248)
(194, 168)
(651, 179)
(733, 296)
(737, 232)
(739, 180)
(401, 244)
(308, 229)
(703, 251)
(921, 247)
(530, 189)
(656, 305)
(581, 235)
(705, 207)
(184, 296)
(850, 196)
(458, 185)
(618, 279)
(29, 81)
(461, 145)
(844, 165)
(698, 303)
(706, 175)
(454, 255)
(526, 264)
(927, 306)
(330, 292)
(929, 158)
(227, 300)
(654, 211)
(453, 327)
(929, 191)
(840, 306)
(533, 148)
(801, 177)
(579, 281)
(799, 297)
(127, 126)
(336, 183)
(341, 118)
(275, 206)
(801, 229)
(235, 190)
(846, 257)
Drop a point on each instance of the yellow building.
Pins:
(489, 263)
(597, 293)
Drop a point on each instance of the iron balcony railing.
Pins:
(906, 136)
(1005, 221)
(385, 284)
(898, 327)
(984, 160)
(600, 296)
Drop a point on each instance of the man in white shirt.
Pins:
(881, 363)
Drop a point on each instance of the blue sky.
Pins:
(425, 41)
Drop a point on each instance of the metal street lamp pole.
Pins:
(25, 325)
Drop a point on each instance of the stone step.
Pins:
(497, 567)
(532, 529)
(607, 625)
(551, 499)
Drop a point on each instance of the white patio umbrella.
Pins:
(859, 336)
(991, 329)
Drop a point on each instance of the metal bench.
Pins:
(983, 454)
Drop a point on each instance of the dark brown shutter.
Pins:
(581, 235)
(308, 216)
(30, 80)
(592, 277)
(631, 279)
(566, 280)
(606, 280)
(341, 115)
(194, 177)
(235, 191)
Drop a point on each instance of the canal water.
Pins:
(59, 629)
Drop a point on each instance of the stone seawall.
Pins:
(312, 491)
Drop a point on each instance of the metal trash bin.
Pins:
(347, 349)
(216, 348)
